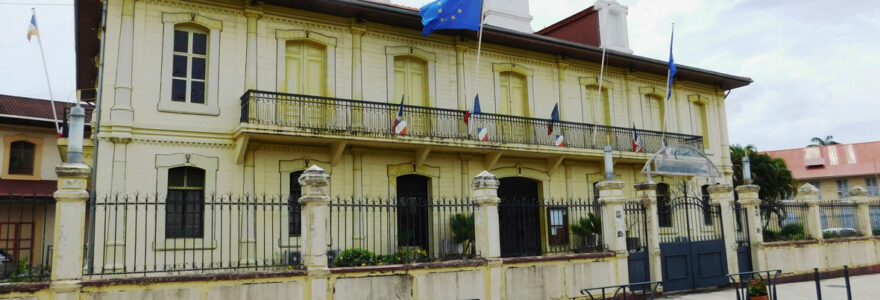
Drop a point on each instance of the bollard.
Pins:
(818, 287)
(846, 278)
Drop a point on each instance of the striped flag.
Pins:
(32, 29)
(637, 141)
(560, 141)
(554, 117)
(399, 123)
(483, 134)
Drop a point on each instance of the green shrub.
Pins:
(24, 272)
(771, 235)
(757, 288)
(403, 256)
(463, 231)
(876, 231)
(587, 226)
(792, 230)
(355, 257)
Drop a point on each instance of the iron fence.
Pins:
(874, 211)
(26, 236)
(742, 225)
(784, 221)
(144, 234)
(401, 230)
(636, 226)
(839, 219)
(532, 227)
(364, 118)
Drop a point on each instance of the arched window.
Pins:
(600, 108)
(21, 158)
(189, 64)
(305, 68)
(185, 205)
(664, 210)
(411, 80)
(294, 208)
(654, 112)
(514, 98)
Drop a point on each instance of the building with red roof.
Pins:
(835, 169)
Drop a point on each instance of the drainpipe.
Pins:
(90, 256)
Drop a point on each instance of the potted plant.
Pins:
(588, 229)
(463, 231)
(757, 289)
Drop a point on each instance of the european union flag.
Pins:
(451, 14)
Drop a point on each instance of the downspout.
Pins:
(90, 256)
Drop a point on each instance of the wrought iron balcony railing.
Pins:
(363, 118)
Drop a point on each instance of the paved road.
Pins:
(865, 287)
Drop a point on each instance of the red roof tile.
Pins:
(842, 160)
(37, 108)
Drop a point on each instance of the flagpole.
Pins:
(46, 71)
(668, 93)
(477, 67)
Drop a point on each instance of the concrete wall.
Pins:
(545, 279)
(803, 256)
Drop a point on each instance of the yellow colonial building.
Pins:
(201, 98)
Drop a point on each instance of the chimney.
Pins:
(612, 25)
(509, 14)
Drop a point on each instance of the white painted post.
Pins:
(810, 194)
(487, 230)
(859, 195)
(646, 193)
(315, 214)
(751, 202)
(70, 225)
(722, 195)
(611, 199)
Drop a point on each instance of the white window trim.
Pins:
(285, 167)
(283, 36)
(431, 58)
(592, 109)
(212, 86)
(499, 68)
(164, 162)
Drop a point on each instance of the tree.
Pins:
(771, 174)
(829, 140)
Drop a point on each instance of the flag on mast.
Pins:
(554, 117)
(636, 140)
(482, 133)
(399, 123)
(451, 14)
(32, 28)
(672, 68)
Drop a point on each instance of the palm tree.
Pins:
(771, 174)
(829, 140)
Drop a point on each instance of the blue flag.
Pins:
(477, 105)
(672, 68)
(554, 117)
(451, 14)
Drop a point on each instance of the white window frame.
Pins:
(843, 193)
(213, 27)
(164, 162)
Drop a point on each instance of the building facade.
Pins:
(834, 169)
(201, 98)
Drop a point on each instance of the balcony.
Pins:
(310, 116)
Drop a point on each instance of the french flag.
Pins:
(637, 141)
(399, 123)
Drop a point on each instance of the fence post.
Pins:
(751, 202)
(646, 193)
(810, 194)
(611, 199)
(722, 195)
(859, 195)
(70, 216)
(487, 231)
(315, 214)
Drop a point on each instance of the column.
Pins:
(611, 199)
(357, 155)
(646, 194)
(247, 243)
(560, 86)
(70, 229)
(810, 194)
(722, 195)
(357, 91)
(121, 114)
(315, 213)
(751, 202)
(859, 195)
(250, 72)
(460, 76)
(487, 231)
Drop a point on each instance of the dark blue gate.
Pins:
(743, 246)
(637, 242)
(691, 241)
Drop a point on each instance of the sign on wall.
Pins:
(680, 161)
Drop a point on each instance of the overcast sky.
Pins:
(814, 63)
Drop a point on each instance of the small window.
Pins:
(294, 208)
(558, 225)
(184, 208)
(842, 189)
(189, 65)
(21, 158)
(664, 210)
(871, 183)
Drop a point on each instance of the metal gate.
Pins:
(743, 247)
(691, 240)
(637, 242)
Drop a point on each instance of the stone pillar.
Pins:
(357, 155)
(722, 195)
(751, 202)
(70, 229)
(646, 194)
(315, 214)
(487, 232)
(859, 195)
(810, 194)
(611, 199)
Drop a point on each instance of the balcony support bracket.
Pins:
(553, 162)
(492, 158)
(420, 156)
(241, 148)
(336, 150)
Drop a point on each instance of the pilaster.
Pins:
(315, 213)
(751, 202)
(487, 232)
(722, 195)
(70, 229)
(252, 13)
(646, 194)
(859, 195)
(611, 199)
(810, 194)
